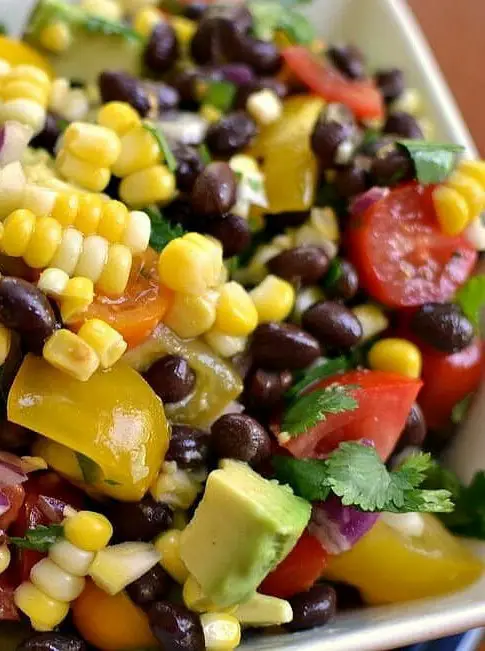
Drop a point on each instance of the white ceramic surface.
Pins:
(389, 35)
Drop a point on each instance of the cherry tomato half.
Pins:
(402, 257)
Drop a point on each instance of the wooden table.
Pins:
(455, 30)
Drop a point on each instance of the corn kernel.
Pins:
(65, 208)
(5, 343)
(139, 150)
(137, 234)
(18, 89)
(372, 319)
(93, 258)
(19, 229)
(195, 599)
(76, 105)
(184, 30)
(53, 281)
(475, 169)
(69, 251)
(190, 265)
(113, 222)
(116, 271)
(264, 106)
(396, 355)
(25, 111)
(70, 558)
(451, 209)
(168, 545)
(44, 242)
(88, 530)
(236, 314)
(5, 558)
(44, 612)
(5, 68)
(273, 298)
(89, 213)
(145, 21)
(39, 200)
(191, 316)
(470, 189)
(55, 582)
(222, 632)
(225, 345)
(77, 297)
(262, 610)
(69, 353)
(56, 37)
(152, 185)
(85, 174)
(210, 113)
(325, 222)
(119, 116)
(92, 143)
(108, 344)
(31, 73)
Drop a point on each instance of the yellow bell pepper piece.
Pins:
(19, 53)
(390, 564)
(114, 419)
(290, 168)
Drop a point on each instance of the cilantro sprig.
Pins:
(471, 299)
(163, 145)
(162, 231)
(355, 473)
(433, 161)
(323, 370)
(271, 16)
(39, 539)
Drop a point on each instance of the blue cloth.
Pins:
(462, 642)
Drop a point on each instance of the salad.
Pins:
(239, 319)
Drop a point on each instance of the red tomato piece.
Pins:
(8, 583)
(362, 97)
(298, 571)
(402, 257)
(384, 400)
(15, 495)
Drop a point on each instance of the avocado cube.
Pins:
(243, 528)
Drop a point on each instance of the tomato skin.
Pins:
(298, 571)
(402, 257)
(362, 97)
(15, 495)
(8, 583)
(384, 401)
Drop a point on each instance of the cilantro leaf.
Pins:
(308, 410)
(433, 161)
(460, 410)
(98, 25)
(205, 154)
(471, 299)
(324, 370)
(162, 231)
(355, 473)
(270, 17)
(90, 470)
(334, 272)
(39, 539)
(163, 146)
(220, 94)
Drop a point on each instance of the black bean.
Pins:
(238, 436)
(278, 222)
(346, 285)
(326, 139)
(351, 180)
(184, 81)
(414, 431)
(214, 191)
(119, 86)
(13, 436)
(303, 264)
(171, 378)
(391, 168)
(139, 520)
(189, 447)
(49, 135)
(334, 325)
(348, 597)
(195, 10)
(369, 147)
(312, 608)
(278, 87)
(113, 188)
(176, 627)
(52, 642)
(443, 326)
(25, 308)
(348, 59)
(263, 56)
(152, 586)
(189, 166)
(218, 33)
(166, 98)
(391, 83)
(265, 389)
(404, 125)
(162, 49)
(282, 346)
(181, 212)
(232, 231)
(231, 134)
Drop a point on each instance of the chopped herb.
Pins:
(433, 161)
(328, 197)
(98, 25)
(460, 410)
(334, 273)
(324, 370)
(39, 539)
(62, 124)
(306, 411)
(256, 185)
(220, 94)
(90, 470)
(370, 137)
(471, 299)
(355, 473)
(162, 231)
(112, 482)
(232, 265)
(270, 17)
(163, 145)
(204, 154)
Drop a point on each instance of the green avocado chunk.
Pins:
(244, 526)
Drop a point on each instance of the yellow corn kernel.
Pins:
(77, 297)
(116, 272)
(236, 314)
(473, 168)
(225, 345)
(69, 353)
(119, 116)
(5, 343)
(70, 558)
(177, 487)
(152, 185)
(69, 251)
(264, 106)
(168, 545)
(85, 174)
(184, 30)
(396, 355)
(56, 37)
(44, 242)
(372, 319)
(92, 143)
(19, 228)
(470, 189)
(273, 298)
(39, 200)
(137, 234)
(18, 89)
(325, 222)
(93, 258)
(195, 599)
(55, 582)
(139, 150)
(113, 222)
(89, 213)
(190, 264)
(222, 632)
(108, 344)
(44, 612)
(25, 111)
(66, 207)
(451, 209)
(33, 74)
(5, 558)
(210, 113)
(107, 9)
(88, 530)
(53, 281)
(145, 21)
(190, 315)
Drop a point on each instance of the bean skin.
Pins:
(233, 233)
(282, 346)
(334, 325)
(171, 378)
(443, 326)
(118, 86)
(162, 49)
(404, 125)
(153, 585)
(49, 135)
(231, 134)
(346, 285)
(414, 431)
(326, 138)
(189, 166)
(214, 191)
(391, 168)
(189, 447)
(313, 608)
(265, 389)
(175, 627)
(238, 436)
(391, 83)
(142, 520)
(262, 56)
(52, 642)
(351, 180)
(349, 60)
(303, 264)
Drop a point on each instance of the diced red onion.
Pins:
(4, 503)
(11, 472)
(339, 527)
(363, 201)
(188, 128)
(55, 510)
(14, 138)
(237, 73)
